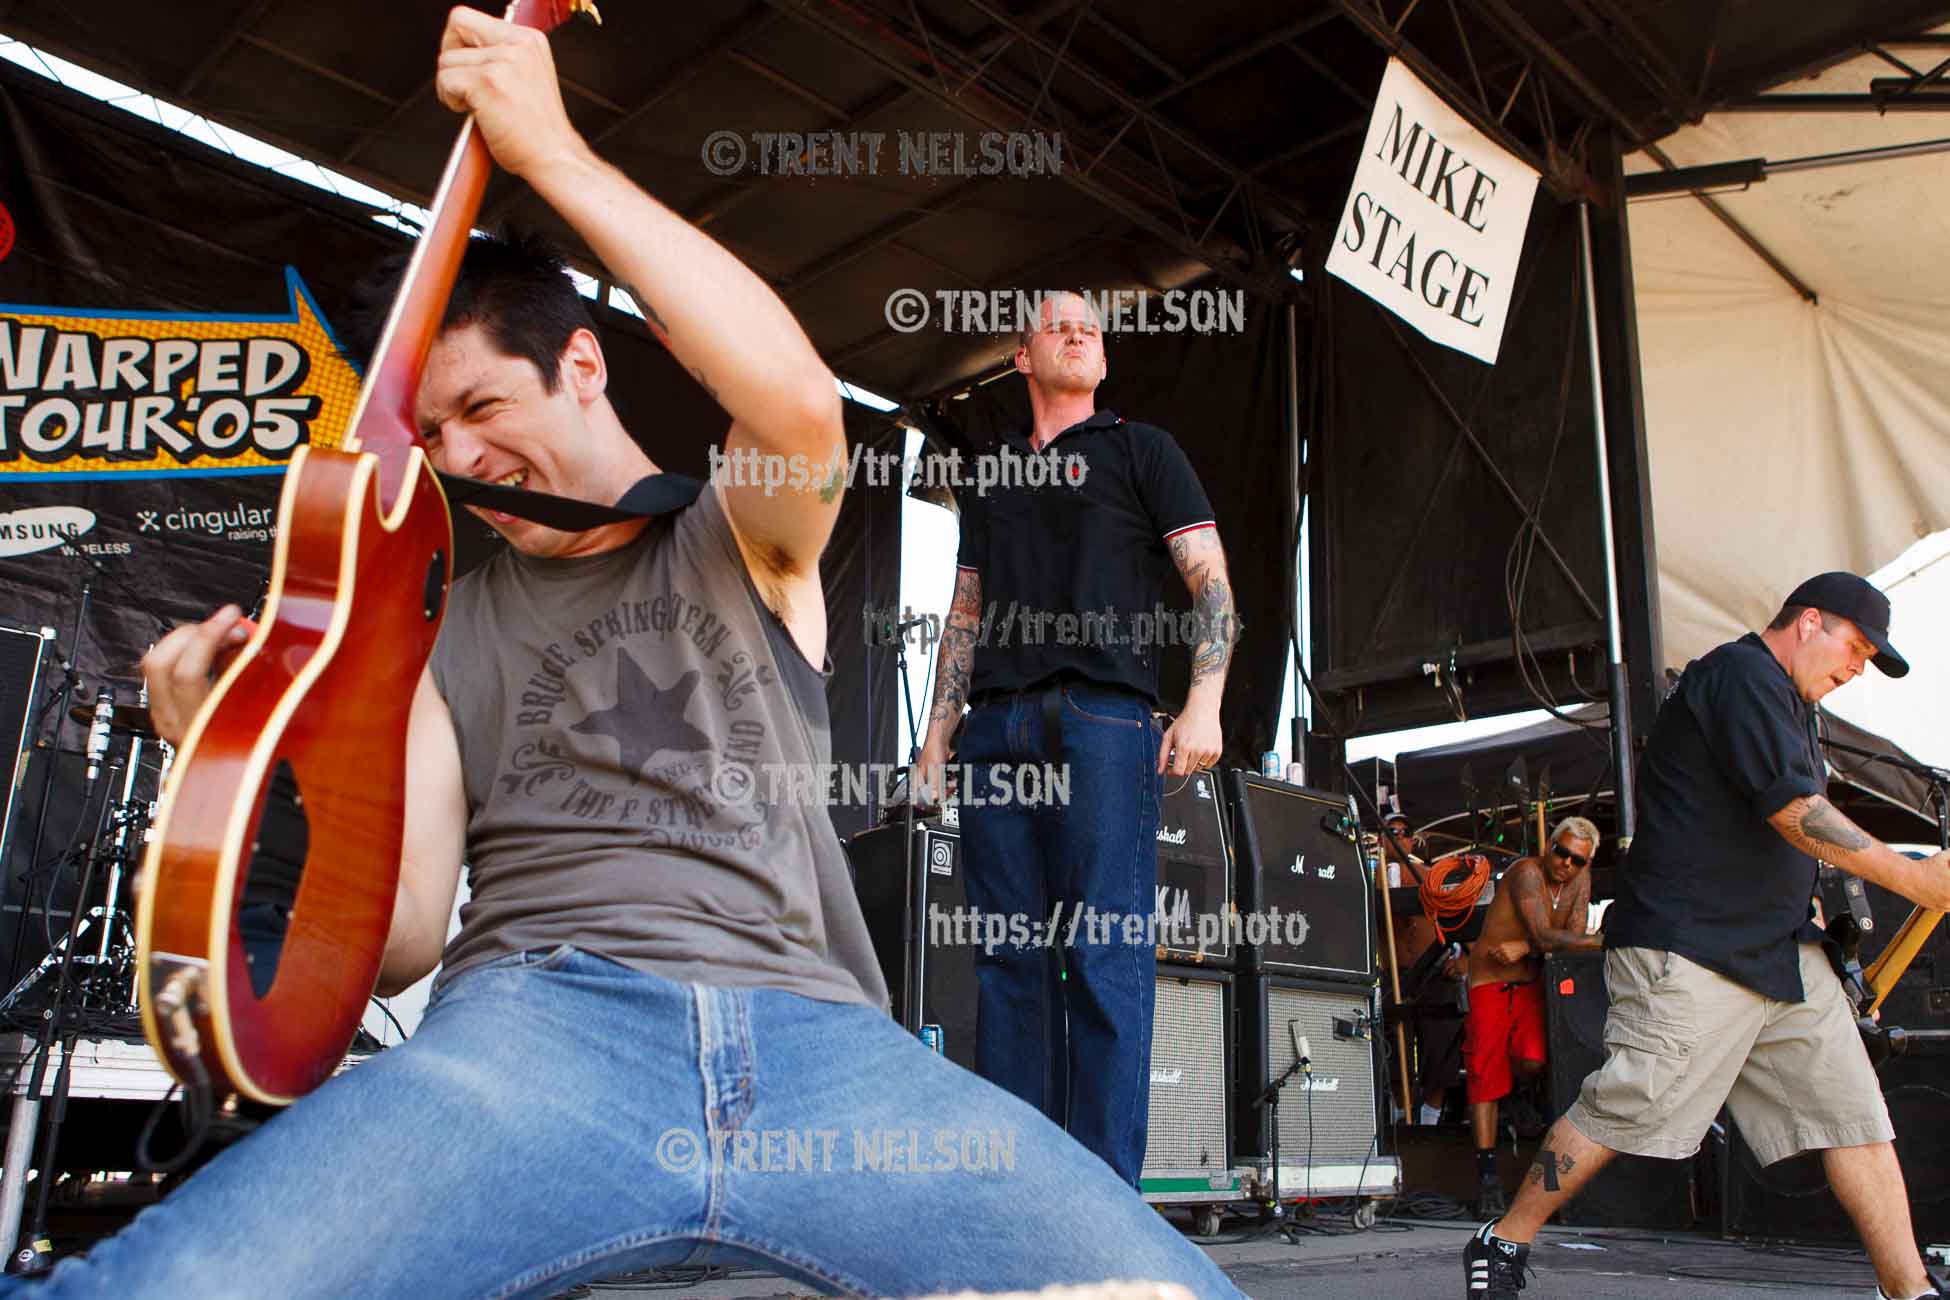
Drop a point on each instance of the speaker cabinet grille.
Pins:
(1341, 1091)
(1189, 1079)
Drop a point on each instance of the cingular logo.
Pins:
(41, 528)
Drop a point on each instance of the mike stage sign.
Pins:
(1435, 221)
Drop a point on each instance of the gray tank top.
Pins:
(628, 725)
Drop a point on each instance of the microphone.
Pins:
(1306, 1054)
(98, 732)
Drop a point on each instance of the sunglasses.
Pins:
(1575, 859)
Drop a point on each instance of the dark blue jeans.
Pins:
(1078, 1048)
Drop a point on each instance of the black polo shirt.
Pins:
(1087, 537)
(1707, 877)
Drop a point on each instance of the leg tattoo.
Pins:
(1548, 1166)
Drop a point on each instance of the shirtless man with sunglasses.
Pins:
(1540, 907)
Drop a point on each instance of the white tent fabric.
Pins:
(1789, 437)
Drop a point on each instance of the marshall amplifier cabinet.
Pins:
(1194, 873)
(1191, 1074)
(1330, 1116)
(948, 986)
(1304, 893)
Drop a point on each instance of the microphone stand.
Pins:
(1269, 1101)
(912, 953)
(36, 1253)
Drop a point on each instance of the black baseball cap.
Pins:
(1861, 604)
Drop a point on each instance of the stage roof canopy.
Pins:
(1219, 140)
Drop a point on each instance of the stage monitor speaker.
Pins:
(1194, 871)
(20, 675)
(1790, 1200)
(1330, 1116)
(948, 982)
(1191, 1074)
(1632, 1191)
(1304, 891)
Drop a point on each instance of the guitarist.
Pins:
(1720, 990)
(660, 1036)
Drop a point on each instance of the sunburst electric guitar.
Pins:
(315, 707)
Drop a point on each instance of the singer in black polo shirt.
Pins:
(1054, 640)
(1720, 991)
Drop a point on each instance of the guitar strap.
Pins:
(648, 497)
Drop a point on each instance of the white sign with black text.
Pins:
(1434, 224)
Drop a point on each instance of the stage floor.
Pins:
(1425, 1261)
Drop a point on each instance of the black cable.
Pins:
(388, 1012)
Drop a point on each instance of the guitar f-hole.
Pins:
(272, 878)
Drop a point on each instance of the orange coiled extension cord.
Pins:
(1449, 890)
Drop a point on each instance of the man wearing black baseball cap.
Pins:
(1720, 990)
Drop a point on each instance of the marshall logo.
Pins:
(1318, 1083)
(1299, 867)
(1171, 1078)
(1326, 872)
(1172, 837)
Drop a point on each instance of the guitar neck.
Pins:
(383, 421)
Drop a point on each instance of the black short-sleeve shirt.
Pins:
(1707, 877)
(1074, 557)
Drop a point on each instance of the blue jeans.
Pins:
(1099, 851)
(554, 1121)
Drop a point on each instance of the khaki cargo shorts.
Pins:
(1680, 1040)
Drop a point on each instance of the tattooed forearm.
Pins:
(1823, 824)
(1216, 619)
(957, 650)
(650, 316)
(1201, 562)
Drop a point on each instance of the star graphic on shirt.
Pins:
(647, 719)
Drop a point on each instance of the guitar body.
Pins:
(319, 697)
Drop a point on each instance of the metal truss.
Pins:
(1123, 159)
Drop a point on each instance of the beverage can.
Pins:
(1271, 765)
(931, 1035)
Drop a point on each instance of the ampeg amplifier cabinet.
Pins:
(1330, 1116)
(1194, 873)
(948, 983)
(1632, 1191)
(1191, 1056)
(1304, 891)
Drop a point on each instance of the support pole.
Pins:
(1621, 710)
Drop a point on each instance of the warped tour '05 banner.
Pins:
(165, 345)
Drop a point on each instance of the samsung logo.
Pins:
(41, 528)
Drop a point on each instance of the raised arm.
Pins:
(1820, 830)
(723, 324)
(1526, 886)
